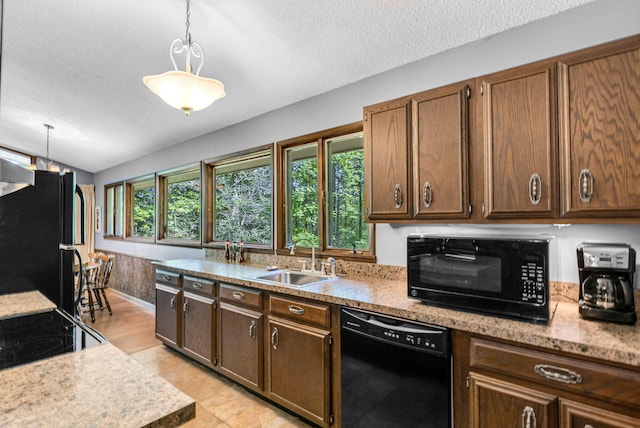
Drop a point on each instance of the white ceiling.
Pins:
(78, 64)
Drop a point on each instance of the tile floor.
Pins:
(219, 402)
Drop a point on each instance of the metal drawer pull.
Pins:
(252, 330)
(185, 308)
(274, 338)
(529, 417)
(427, 194)
(296, 310)
(238, 295)
(397, 195)
(173, 303)
(535, 189)
(197, 285)
(166, 277)
(558, 374)
(585, 185)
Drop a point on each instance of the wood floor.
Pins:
(219, 402)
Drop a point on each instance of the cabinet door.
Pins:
(299, 369)
(494, 403)
(578, 415)
(168, 304)
(240, 344)
(599, 131)
(440, 153)
(199, 331)
(520, 142)
(386, 150)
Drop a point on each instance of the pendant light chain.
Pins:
(49, 127)
(187, 35)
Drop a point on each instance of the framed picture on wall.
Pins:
(98, 220)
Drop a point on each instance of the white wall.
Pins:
(592, 24)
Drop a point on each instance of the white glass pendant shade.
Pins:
(185, 91)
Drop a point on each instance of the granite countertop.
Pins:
(26, 303)
(96, 387)
(565, 332)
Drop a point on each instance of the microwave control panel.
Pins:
(533, 282)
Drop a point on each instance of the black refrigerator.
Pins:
(37, 238)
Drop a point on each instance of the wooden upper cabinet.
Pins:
(520, 142)
(440, 152)
(386, 148)
(599, 101)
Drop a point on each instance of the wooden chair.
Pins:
(101, 281)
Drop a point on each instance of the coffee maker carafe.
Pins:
(606, 282)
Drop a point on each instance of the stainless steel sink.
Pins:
(292, 278)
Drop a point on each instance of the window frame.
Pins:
(209, 198)
(15, 155)
(323, 250)
(111, 217)
(162, 209)
(129, 187)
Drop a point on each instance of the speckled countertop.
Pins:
(96, 387)
(23, 304)
(565, 332)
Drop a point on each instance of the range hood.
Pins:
(14, 177)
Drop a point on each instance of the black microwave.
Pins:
(507, 277)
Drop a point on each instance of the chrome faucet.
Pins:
(333, 263)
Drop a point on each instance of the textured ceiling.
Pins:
(78, 64)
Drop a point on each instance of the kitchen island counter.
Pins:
(96, 387)
(565, 332)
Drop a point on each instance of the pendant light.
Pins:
(185, 90)
(49, 165)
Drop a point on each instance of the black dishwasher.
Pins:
(394, 373)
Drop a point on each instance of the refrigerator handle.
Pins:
(82, 216)
(78, 299)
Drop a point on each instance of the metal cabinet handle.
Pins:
(166, 277)
(535, 188)
(196, 285)
(296, 310)
(274, 338)
(185, 308)
(172, 303)
(252, 330)
(585, 185)
(529, 418)
(558, 374)
(397, 195)
(238, 295)
(427, 194)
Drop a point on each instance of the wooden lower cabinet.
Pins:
(198, 327)
(513, 386)
(495, 403)
(299, 369)
(579, 415)
(241, 341)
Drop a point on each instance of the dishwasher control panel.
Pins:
(424, 337)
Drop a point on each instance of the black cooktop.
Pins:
(29, 338)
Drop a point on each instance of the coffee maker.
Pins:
(606, 282)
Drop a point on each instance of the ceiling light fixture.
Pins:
(183, 89)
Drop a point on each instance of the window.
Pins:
(322, 182)
(20, 158)
(114, 210)
(180, 205)
(141, 208)
(242, 199)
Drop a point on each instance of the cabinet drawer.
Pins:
(610, 384)
(168, 278)
(241, 296)
(300, 310)
(198, 285)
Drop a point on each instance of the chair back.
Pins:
(104, 272)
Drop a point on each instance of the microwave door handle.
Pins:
(469, 257)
